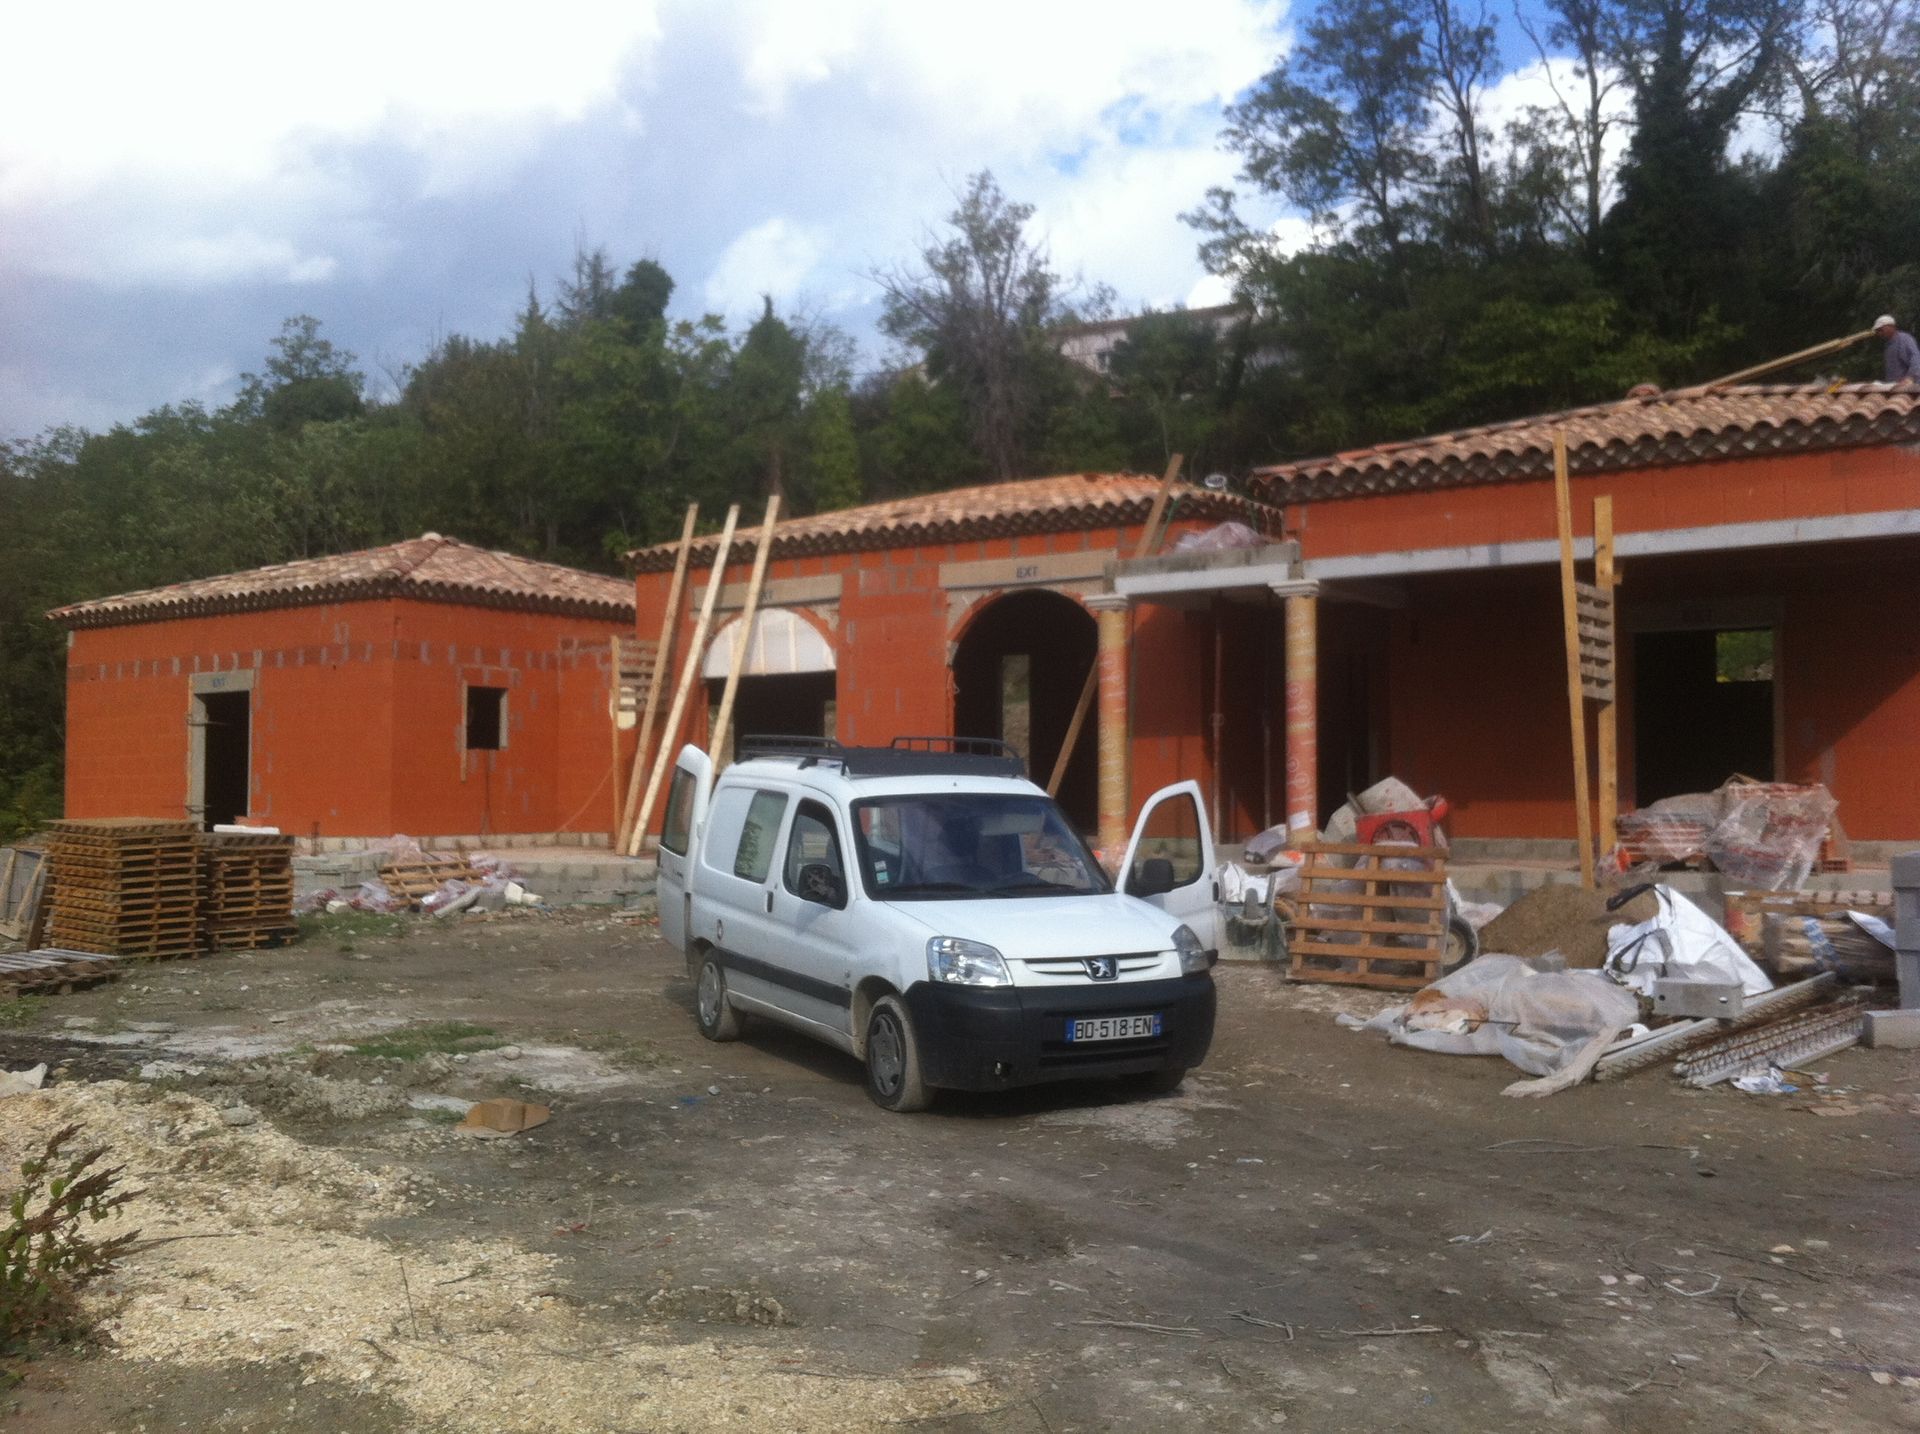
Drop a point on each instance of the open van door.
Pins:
(687, 795)
(1170, 860)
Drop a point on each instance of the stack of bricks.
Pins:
(247, 889)
(125, 886)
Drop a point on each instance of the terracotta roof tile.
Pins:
(1665, 429)
(1064, 504)
(430, 568)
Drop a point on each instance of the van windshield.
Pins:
(957, 846)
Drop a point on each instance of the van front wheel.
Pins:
(893, 1058)
(718, 1020)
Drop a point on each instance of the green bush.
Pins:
(45, 1254)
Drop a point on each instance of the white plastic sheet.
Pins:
(1548, 1024)
(1679, 941)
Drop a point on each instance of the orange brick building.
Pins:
(1403, 599)
(428, 687)
(1391, 611)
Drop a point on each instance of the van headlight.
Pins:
(1193, 956)
(966, 963)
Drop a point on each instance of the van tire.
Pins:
(1163, 1082)
(711, 1006)
(893, 1058)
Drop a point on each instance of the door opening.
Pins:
(226, 751)
(1703, 709)
(1018, 670)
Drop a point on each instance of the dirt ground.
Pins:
(1320, 1232)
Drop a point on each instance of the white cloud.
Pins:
(777, 258)
(399, 169)
(237, 92)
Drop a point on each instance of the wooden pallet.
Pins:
(247, 889)
(414, 880)
(128, 886)
(1368, 924)
(54, 969)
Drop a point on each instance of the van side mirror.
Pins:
(821, 884)
(1152, 877)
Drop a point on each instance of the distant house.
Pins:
(428, 687)
(1091, 345)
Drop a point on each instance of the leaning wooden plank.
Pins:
(691, 674)
(717, 739)
(662, 662)
(1150, 535)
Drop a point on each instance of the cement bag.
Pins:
(1541, 1022)
(1681, 941)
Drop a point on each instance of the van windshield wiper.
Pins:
(1037, 886)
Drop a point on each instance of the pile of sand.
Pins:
(258, 1249)
(1567, 919)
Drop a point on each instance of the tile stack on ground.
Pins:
(247, 890)
(125, 886)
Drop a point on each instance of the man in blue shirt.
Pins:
(1902, 354)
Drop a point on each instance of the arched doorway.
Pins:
(1018, 671)
(788, 681)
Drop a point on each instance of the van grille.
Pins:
(1069, 968)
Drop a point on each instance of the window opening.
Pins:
(486, 719)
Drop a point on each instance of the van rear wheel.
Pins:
(893, 1058)
(718, 1020)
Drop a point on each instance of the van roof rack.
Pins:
(904, 757)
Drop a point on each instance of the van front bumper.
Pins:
(993, 1038)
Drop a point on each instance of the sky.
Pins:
(176, 180)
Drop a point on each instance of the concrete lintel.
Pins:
(1260, 577)
(1191, 561)
(820, 589)
(1779, 533)
(1036, 570)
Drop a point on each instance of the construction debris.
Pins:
(498, 1118)
(1549, 1024)
(1766, 835)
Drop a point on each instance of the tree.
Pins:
(765, 392)
(307, 380)
(978, 306)
(1694, 67)
(1339, 128)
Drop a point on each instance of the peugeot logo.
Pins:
(1101, 968)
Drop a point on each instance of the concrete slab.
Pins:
(1892, 1030)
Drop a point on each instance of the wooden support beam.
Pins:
(717, 739)
(690, 674)
(1788, 360)
(1608, 716)
(1576, 700)
(662, 662)
(1150, 537)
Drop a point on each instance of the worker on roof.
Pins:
(1902, 354)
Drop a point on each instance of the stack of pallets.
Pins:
(125, 886)
(247, 889)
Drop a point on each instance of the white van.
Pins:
(927, 909)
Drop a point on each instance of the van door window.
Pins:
(754, 857)
(1171, 835)
(725, 820)
(677, 830)
(813, 841)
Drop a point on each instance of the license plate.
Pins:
(1113, 1028)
